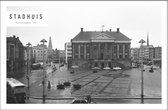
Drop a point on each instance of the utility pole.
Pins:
(142, 68)
(28, 69)
(59, 58)
(44, 74)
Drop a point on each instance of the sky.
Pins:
(134, 19)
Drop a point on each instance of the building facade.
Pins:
(147, 53)
(134, 54)
(56, 56)
(158, 56)
(68, 51)
(38, 53)
(59, 56)
(62, 56)
(15, 56)
(101, 49)
(158, 52)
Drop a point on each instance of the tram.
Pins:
(16, 91)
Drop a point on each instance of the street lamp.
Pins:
(141, 48)
(28, 68)
(44, 75)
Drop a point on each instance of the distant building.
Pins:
(158, 53)
(101, 49)
(15, 56)
(62, 56)
(134, 54)
(68, 51)
(38, 52)
(56, 56)
(147, 53)
(59, 56)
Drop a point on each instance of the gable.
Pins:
(90, 36)
(102, 36)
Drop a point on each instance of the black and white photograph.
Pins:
(104, 54)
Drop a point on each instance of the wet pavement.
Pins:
(101, 85)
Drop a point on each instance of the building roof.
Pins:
(107, 35)
(14, 39)
(149, 46)
(40, 46)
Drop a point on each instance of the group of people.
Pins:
(54, 68)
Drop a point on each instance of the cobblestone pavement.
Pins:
(104, 83)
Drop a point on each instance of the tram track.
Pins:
(87, 82)
(114, 77)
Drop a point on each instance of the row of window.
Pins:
(102, 56)
(82, 56)
(69, 46)
(41, 55)
(95, 47)
(69, 53)
(69, 49)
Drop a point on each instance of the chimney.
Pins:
(81, 29)
(14, 36)
(110, 30)
(118, 29)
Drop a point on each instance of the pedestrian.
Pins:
(89, 98)
(49, 85)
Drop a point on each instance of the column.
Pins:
(84, 51)
(112, 51)
(91, 51)
(98, 50)
(73, 53)
(128, 50)
(79, 51)
(123, 50)
(117, 51)
(105, 51)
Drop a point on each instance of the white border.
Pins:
(4, 4)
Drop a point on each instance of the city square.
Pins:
(85, 55)
(103, 86)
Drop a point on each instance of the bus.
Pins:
(16, 91)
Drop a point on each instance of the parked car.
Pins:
(79, 101)
(72, 71)
(107, 68)
(61, 65)
(116, 68)
(95, 69)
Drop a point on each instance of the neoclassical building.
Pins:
(101, 49)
